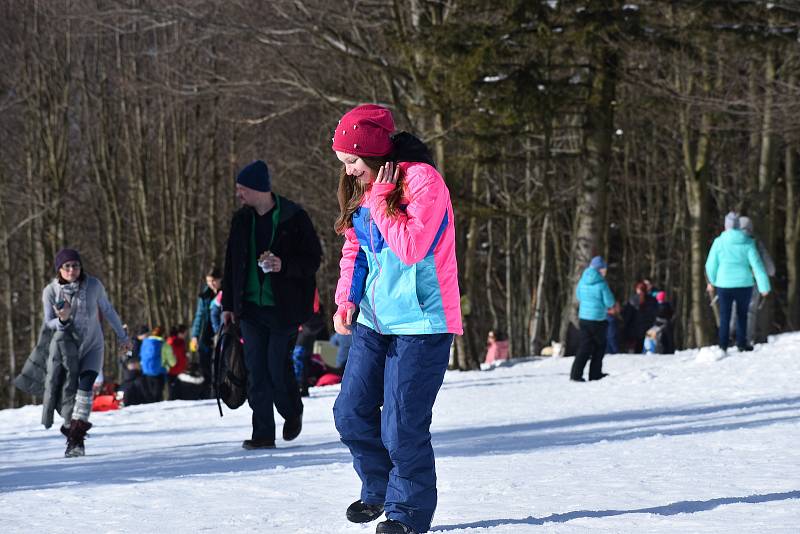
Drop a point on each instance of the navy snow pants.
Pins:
(728, 296)
(391, 448)
(270, 379)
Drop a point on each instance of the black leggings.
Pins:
(86, 380)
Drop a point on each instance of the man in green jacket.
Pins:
(731, 265)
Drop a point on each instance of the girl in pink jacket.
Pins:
(399, 274)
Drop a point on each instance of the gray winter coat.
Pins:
(88, 303)
(51, 371)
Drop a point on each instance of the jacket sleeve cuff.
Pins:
(342, 309)
(380, 192)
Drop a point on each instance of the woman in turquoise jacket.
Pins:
(731, 265)
(595, 299)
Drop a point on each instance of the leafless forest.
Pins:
(564, 129)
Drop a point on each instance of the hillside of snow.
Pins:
(692, 443)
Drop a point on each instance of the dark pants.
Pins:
(592, 345)
(727, 297)
(391, 448)
(304, 347)
(270, 378)
(173, 387)
(204, 355)
(153, 388)
(612, 343)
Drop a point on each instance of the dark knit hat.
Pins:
(365, 131)
(64, 255)
(255, 176)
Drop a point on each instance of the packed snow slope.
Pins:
(690, 443)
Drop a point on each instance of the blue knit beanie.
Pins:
(598, 263)
(255, 176)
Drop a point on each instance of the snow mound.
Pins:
(710, 354)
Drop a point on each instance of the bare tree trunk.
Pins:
(8, 300)
(539, 298)
(792, 238)
(695, 163)
(590, 219)
(766, 179)
(466, 358)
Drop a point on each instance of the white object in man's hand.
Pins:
(269, 262)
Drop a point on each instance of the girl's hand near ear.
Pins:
(388, 174)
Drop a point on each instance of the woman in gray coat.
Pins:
(76, 301)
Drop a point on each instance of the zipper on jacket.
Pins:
(380, 268)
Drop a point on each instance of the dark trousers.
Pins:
(592, 345)
(270, 379)
(153, 388)
(205, 354)
(612, 341)
(173, 387)
(391, 447)
(727, 297)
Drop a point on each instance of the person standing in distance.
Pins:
(733, 267)
(74, 303)
(399, 268)
(202, 341)
(595, 299)
(271, 261)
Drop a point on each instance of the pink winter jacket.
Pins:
(402, 270)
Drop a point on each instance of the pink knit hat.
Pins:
(365, 131)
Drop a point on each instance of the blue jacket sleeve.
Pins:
(712, 263)
(198, 318)
(216, 317)
(608, 296)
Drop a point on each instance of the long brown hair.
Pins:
(351, 191)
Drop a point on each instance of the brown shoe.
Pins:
(77, 432)
(251, 444)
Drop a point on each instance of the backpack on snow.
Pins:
(230, 373)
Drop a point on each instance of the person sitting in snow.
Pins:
(496, 347)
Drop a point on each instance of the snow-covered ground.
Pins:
(689, 443)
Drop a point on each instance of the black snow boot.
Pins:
(361, 512)
(77, 433)
(390, 526)
(292, 427)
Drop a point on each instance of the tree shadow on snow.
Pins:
(680, 507)
(614, 426)
(165, 463)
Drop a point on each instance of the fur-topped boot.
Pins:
(77, 433)
(80, 424)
